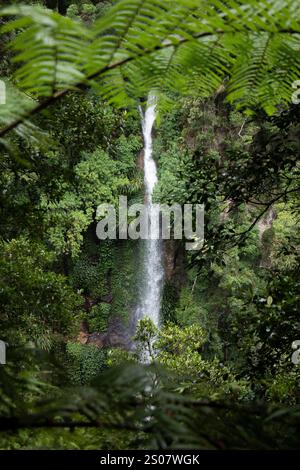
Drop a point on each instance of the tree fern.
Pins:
(187, 46)
(127, 398)
(49, 48)
(19, 104)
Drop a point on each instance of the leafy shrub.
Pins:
(37, 303)
(169, 300)
(85, 362)
(98, 317)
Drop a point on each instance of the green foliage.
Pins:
(238, 287)
(124, 278)
(188, 311)
(123, 398)
(219, 373)
(66, 222)
(178, 350)
(284, 256)
(107, 274)
(89, 276)
(54, 188)
(169, 301)
(282, 385)
(137, 46)
(86, 362)
(98, 317)
(73, 11)
(50, 49)
(37, 303)
(76, 439)
(87, 12)
(100, 179)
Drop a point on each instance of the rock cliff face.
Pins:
(140, 160)
(174, 260)
(117, 335)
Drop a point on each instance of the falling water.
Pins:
(153, 272)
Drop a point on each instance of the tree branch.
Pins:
(266, 208)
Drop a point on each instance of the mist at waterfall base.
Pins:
(152, 269)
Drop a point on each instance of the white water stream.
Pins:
(153, 271)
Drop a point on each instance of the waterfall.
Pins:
(153, 271)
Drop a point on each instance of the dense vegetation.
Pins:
(220, 373)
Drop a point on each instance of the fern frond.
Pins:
(17, 102)
(184, 46)
(49, 48)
